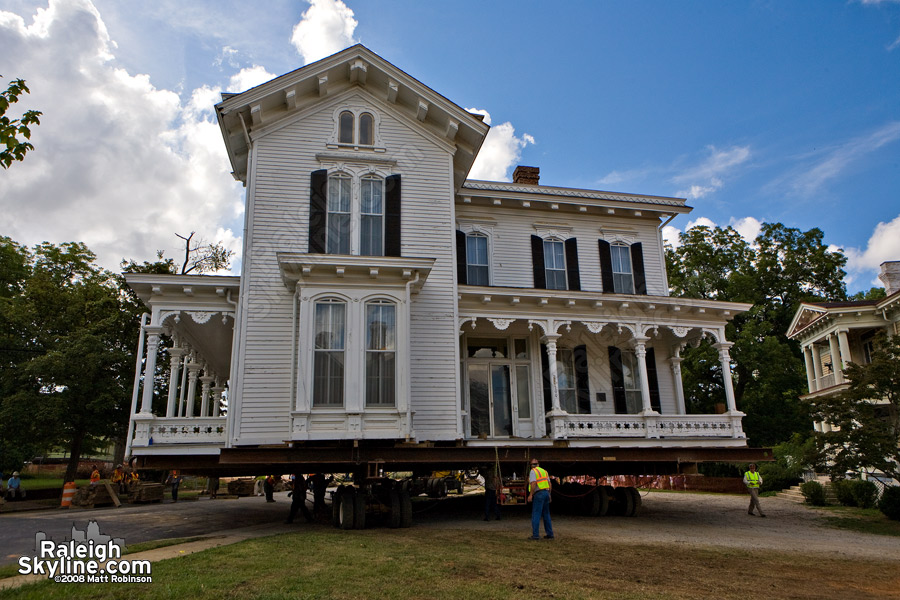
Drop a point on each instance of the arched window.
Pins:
(477, 266)
(328, 352)
(623, 280)
(555, 264)
(366, 130)
(337, 237)
(381, 353)
(345, 129)
(371, 212)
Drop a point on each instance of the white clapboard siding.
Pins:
(512, 228)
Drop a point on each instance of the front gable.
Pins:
(806, 315)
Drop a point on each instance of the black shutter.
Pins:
(637, 267)
(617, 378)
(606, 273)
(537, 262)
(652, 380)
(318, 211)
(392, 215)
(461, 259)
(572, 264)
(545, 377)
(582, 386)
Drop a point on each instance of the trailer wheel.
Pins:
(590, 504)
(396, 510)
(636, 497)
(359, 510)
(429, 487)
(624, 502)
(405, 510)
(440, 488)
(336, 506)
(348, 508)
(604, 501)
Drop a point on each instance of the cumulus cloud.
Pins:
(118, 163)
(748, 227)
(707, 177)
(883, 245)
(249, 77)
(325, 28)
(501, 150)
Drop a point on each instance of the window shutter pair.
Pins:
(573, 276)
(637, 268)
(318, 213)
(617, 376)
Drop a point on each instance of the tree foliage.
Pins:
(201, 256)
(865, 418)
(780, 269)
(67, 345)
(14, 132)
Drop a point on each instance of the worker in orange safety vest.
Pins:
(539, 488)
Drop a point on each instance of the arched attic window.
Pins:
(366, 130)
(345, 128)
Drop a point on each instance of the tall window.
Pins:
(477, 271)
(345, 128)
(633, 402)
(555, 264)
(623, 281)
(338, 228)
(366, 130)
(565, 374)
(328, 361)
(372, 217)
(381, 353)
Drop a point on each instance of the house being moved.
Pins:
(392, 312)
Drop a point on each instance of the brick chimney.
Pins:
(527, 175)
(890, 275)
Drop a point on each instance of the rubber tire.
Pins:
(394, 521)
(429, 487)
(440, 488)
(636, 498)
(590, 504)
(359, 510)
(348, 508)
(336, 506)
(624, 502)
(405, 510)
(604, 501)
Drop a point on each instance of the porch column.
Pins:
(679, 385)
(817, 364)
(640, 350)
(205, 381)
(193, 374)
(217, 390)
(835, 359)
(150, 368)
(725, 360)
(810, 372)
(175, 355)
(182, 394)
(845, 347)
(550, 340)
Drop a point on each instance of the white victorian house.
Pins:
(386, 298)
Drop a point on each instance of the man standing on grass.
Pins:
(539, 488)
(753, 480)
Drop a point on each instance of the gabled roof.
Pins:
(284, 96)
(807, 314)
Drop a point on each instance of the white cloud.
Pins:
(118, 163)
(326, 27)
(501, 150)
(883, 244)
(748, 227)
(249, 77)
(700, 222)
(839, 159)
(894, 44)
(670, 235)
(706, 177)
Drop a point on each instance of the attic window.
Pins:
(346, 128)
(366, 130)
(356, 126)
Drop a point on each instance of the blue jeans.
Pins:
(540, 509)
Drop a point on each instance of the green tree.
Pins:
(68, 338)
(780, 269)
(11, 130)
(865, 418)
(874, 293)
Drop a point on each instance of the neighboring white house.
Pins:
(833, 334)
(386, 298)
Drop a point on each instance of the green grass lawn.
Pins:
(863, 520)
(420, 564)
(42, 483)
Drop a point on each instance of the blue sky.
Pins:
(754, 111)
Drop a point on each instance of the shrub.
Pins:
(842, 492)
(814, 493)
(890, 503)
(864, 493)
(777, 476)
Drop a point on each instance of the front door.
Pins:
(490, 408)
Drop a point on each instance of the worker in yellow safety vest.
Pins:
(752, 479)
(539, 488)
(95, 475)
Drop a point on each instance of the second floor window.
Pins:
(555, 264)
(477, 270)
(623, 282)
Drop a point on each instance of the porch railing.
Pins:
(206, 430)
(648, 426)
(826, 381)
